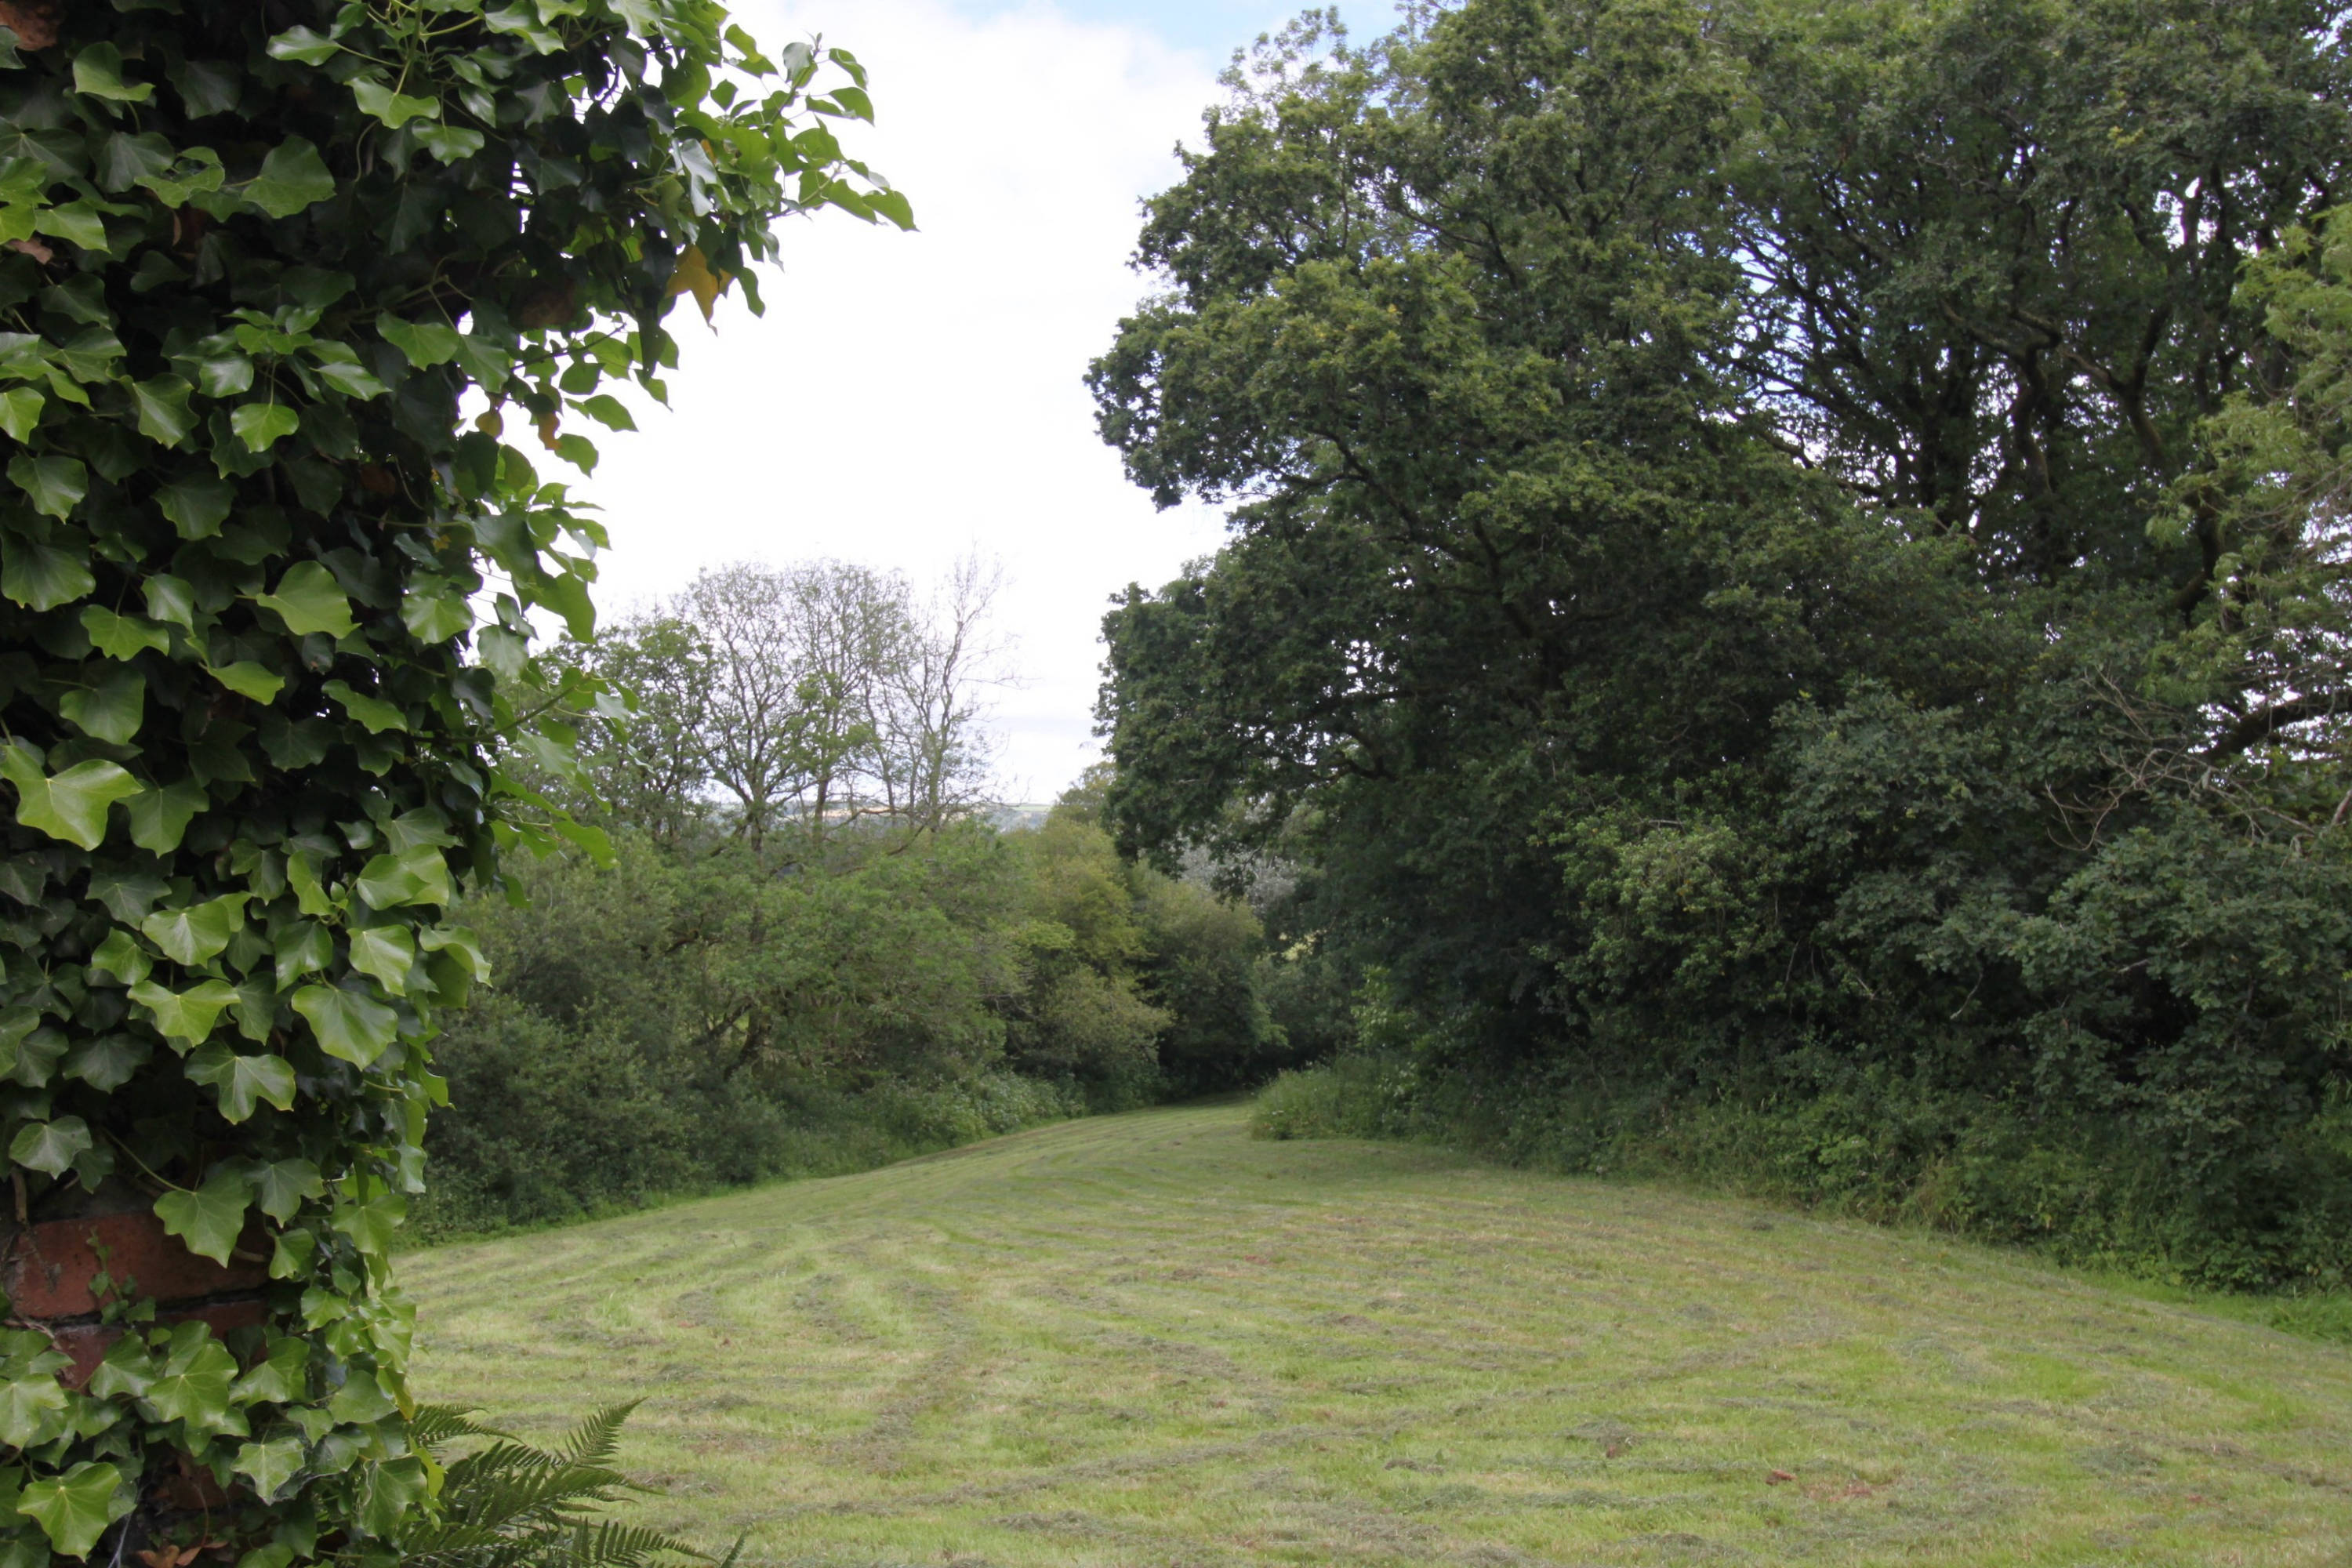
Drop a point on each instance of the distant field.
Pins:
(1147, 1341)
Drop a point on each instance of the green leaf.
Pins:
(163, 404)
(98, 73)
(31, 1410)
(122, 956)
(349, 1026)
(423, 345)
(417, 875)
(72, 805)
(74, 1509)
(107, 1063)
(121, 636)
(308, 600)
(126, 1369)
(248, 678)
(303, 44)
(111, 709)
(304, 947)
(76, 223)
(209, 1219)
(282, 1187)
(292, 177)
(241, 1081)
(224, 375)
(198, 505)
(195, 1382)
(385, 952)
(281, 1378)
(51, 1147)
(171, 598)
(607, 411)
(42, 577)
(450, 143)
(198, 933)
(160, 817)
(191, 1014)
(126, 159)
(270, 1465)
(395, 110)
(55, 484)
(20, 410)
(261, 425)
(435, 617)
(373, 712)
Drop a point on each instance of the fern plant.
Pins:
(509, 1504)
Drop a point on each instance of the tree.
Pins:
(254, 255)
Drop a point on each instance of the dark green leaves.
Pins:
(348, 1025)
(423, 345)
(73, 1510)
(209, 1219)
(308, 599)
(243, 1081)
(198, 504)
(55, 485)
(70, 806)
(292, 177)
(98, 72)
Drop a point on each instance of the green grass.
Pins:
(1149, 1339)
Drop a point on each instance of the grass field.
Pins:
(1149, 1340)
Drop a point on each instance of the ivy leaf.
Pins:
(72, 805)
(171, 598)
(308, 600)
(191, 1014)
(270, 1465)
(160, 817)
(435, 617)
(361, 1399)
(120, 637)
(423, 345)
(125, 159)
(31, 1410)
(122, 956)
(385, 952)
(371, 1224)
(303, 948)
(416, 875)
(163, 404)
(127, 1369)
(283, 1185)
(248, 678)
(107, 1063)
(198, 933)
(20, 410)
(195, 1382)
(241, 1081)
(282, 1376)
(55, 484)
(450, 143)
(373, 712)
(303, 44)
(261, 425)
(394, 109)
(693, 275)
(209, 1219)
(349, 1026)
(292, 177)
(111, 709)
(74, 1509)
(98, 73)
(309, 893)
(198, 505)
(51, 1147)
(41, 576)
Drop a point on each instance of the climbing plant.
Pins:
(267, 595)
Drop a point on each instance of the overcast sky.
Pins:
(908, 399)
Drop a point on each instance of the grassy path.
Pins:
(1149, 1340)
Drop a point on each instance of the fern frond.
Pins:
(597, 1439)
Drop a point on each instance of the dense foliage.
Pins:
(1788, 578)
(267, 621)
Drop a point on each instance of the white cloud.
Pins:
(908, 399)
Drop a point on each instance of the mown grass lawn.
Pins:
(1150, 1340)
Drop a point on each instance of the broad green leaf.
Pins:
(162, 403)
(292, 177)
(386, 952)
(282, 1376)
(195, 1382)
(373, 712)
(41, 576)
(106, 1063)
(270, 1465)
(362, 1399)
(261, 425)
(20, 410)
(51, 1146)
(191, 1014)
(241, 1081)
(122, 956)
(55, 484)
(123, 637)
(160, 817)
(394, 109)
(111, 708)
(71, 805)
(282, 1187)
(304, 947)
(199, 932)
(126, 158)
(198, 505)
(450, 143)
(98, 73)
(423, 345)
(607, 411)
(126, 1369)
(170, 598)
(303, 44)
(33, 1056)
(371, 1224)
(224, 375)
(196, 172)
(209, 1219)
(248, 678)
(435, 617)
(32, 1409)
(349, 1026)
(308, 600)
(309, 893)
(74, 1509)
(417, 875)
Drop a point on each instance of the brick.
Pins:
(50, 1265)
